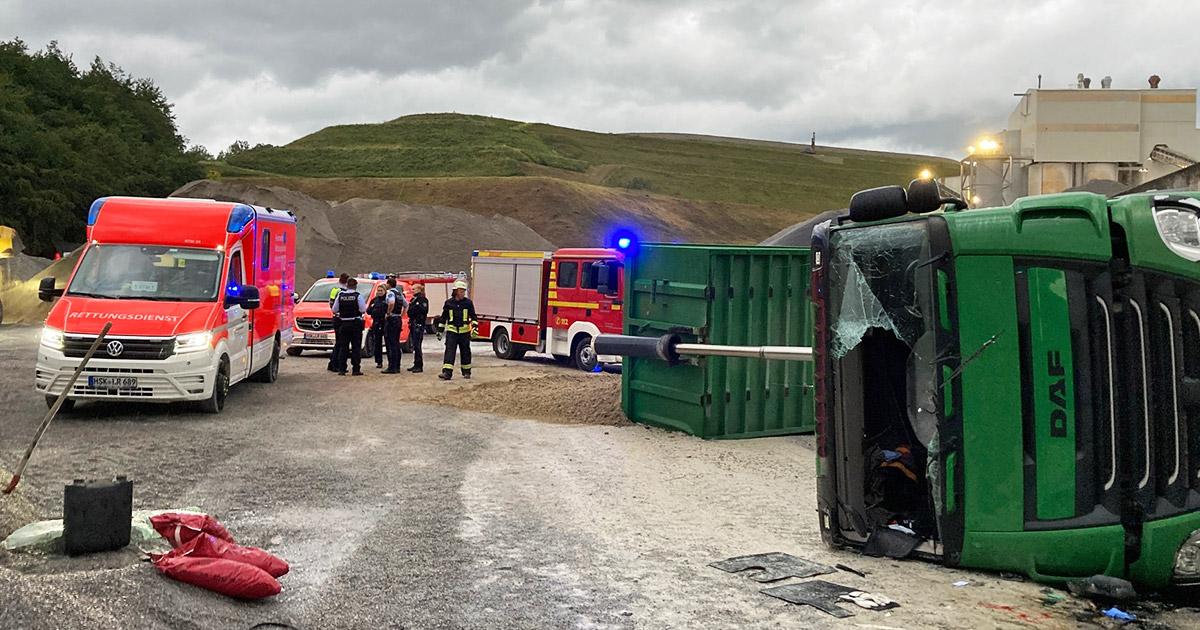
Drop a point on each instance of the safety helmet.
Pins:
(460, 284)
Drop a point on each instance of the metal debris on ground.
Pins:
(1103, 588)
(773, 567)
(849, 569)
(819, 594)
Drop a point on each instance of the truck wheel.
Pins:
(67, 405)
(503, 346)
(368, 345)
(583, 355)
(216, 402)
(295, 352)
(270, 371)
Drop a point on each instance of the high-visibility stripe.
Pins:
(466, 368)
(574, 304)
(553, 294)
(447, 366)
(502, 254)
(616, 307)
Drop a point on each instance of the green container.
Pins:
(720, 295)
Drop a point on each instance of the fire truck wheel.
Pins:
(503, 346)
(295, 352)
(583, 355)
(270, 371)
(66, 407)
(216, 402)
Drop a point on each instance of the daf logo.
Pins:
(115, 348)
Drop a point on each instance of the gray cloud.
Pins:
(917, 76)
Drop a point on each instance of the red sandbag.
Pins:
(208, 546)
(227, 577)
(179, 528)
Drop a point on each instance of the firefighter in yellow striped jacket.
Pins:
(458, 317)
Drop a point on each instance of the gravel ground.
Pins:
(396, 512)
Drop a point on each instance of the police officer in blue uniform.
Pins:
(348, 309)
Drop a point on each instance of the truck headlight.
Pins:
(193, 342)
(52, 338)
(1187, 560)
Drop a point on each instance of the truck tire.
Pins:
(582, 354)
(270, 371)
(294, 352)
(368, 344)
(66, 407)
(504, 347)
(216, 402)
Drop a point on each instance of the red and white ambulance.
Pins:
(552, 302)
(199, 294)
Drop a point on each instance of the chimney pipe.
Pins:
(1154, 81)
(1087, 82)
(1106, 82)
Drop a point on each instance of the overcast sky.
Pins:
(915, 76)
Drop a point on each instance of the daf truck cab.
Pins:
(1018, 387)
(198, 292)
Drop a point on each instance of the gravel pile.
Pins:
(568, 398)
(15, 510)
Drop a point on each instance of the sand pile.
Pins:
(317, 245)
(20, 300)
(362, 235)
(568, 398)
(22, 267)
(393, 236)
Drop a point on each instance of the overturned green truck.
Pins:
(1017, 386)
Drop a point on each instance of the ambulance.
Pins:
(551, 302)
(199, 294)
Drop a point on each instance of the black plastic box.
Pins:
(97, 515)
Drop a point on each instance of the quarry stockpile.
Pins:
(361, 235)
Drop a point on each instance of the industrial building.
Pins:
(1106, 140)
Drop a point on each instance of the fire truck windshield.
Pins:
(148, 272)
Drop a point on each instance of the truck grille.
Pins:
(314, 324)
(75, 346)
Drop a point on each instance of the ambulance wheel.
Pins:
(216, 402)
(583, 355)
(295, 352)
(66, 407)
(270, 371)
(503, 346)
(368, 345)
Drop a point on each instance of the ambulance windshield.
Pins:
(148, 272)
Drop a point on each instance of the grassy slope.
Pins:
(704, 188)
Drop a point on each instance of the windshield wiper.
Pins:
(97, 296)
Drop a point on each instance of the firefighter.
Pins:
(458, 317)
(333, 356)
(348, 310)
(377, 309)
(418, 310)
(392, 324)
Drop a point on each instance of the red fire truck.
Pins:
(199, 294)
(552, 302)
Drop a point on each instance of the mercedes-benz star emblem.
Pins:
(115, 348)
(316, 324)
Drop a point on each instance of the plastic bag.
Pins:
(227, 577)
(208, 546)
(180, 528)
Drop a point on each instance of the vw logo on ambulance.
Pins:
(115, 348)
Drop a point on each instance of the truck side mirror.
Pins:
(880, 203)
(606, 277)
(295, 298)
(250, 297)
(46, 290)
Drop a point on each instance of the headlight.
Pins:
(1179, 228)
(1187, 561)
(52, 338)
(193, 342)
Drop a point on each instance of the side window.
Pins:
(567, 272)
(265, 256)
(235, 270)
(588, 280)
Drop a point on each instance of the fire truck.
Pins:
(199, 294)
(551, 302)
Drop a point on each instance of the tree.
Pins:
(69, 136)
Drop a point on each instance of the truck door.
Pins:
(237, 319)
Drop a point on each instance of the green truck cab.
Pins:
(1019, 386)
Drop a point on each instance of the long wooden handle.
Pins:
(12, 485)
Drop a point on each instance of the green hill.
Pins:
(771, 175)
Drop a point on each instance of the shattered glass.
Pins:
(874, 277)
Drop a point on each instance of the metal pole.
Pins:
(777, 353)
(12, 485)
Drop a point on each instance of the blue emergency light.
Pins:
(330, 273)
(623, 240)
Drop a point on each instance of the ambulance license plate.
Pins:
(112, 382)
